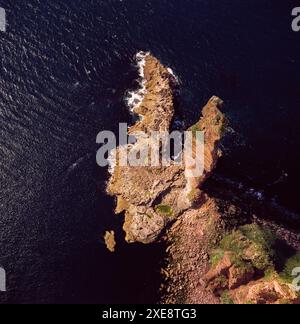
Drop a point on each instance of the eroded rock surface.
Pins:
(270, 291)
(109, 239)
(150, 196)
(243, 269)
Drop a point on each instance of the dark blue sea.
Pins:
(64, 69)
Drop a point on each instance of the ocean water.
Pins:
(64, 69)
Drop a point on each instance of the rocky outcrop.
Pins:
(264, 291)
(243, 270)
(211, 258)
(109, 239)
(153, 196)
(208, 263)
(157, 106)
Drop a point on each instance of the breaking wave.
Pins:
(135, 97)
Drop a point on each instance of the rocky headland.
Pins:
(219, 250)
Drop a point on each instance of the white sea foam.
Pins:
(112, 162)
(134, 98)
(173, 75)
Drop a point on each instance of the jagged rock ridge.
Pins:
(152, 197)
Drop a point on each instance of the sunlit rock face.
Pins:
(153, 196)
(209, 260)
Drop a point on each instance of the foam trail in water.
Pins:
(134, 98)
(173, 75)
(112, 161)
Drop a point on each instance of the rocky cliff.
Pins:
(152, 197)
(209, 258)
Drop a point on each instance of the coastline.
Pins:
(164, 204)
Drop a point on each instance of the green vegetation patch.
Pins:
(164, 210)
(249, 245)
(216, 256)
(263, 237)
(195, 128)
(194, 195)
(226, 299)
